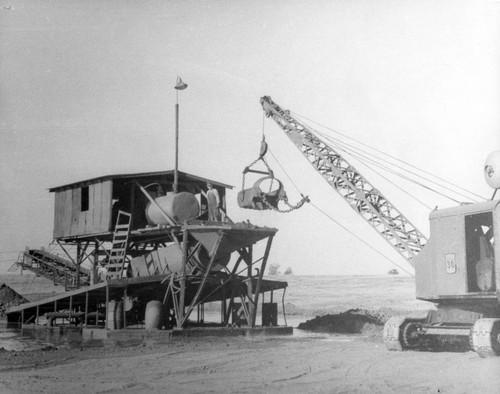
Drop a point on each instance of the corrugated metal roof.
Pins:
(183, 176)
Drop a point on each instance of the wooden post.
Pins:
(176, 170)
(95, 277)
(22, 317)
(259, 281)
(87, 309)
(37, 313)
(124, 309)
(107, 306)
(223, 306)
(70, 308)
(78, 262)
(249, 286)
(55, 306)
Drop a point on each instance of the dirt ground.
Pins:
(340, 353)
(304, 362)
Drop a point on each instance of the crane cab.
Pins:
(458, 265)
(458, 270)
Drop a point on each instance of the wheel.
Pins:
(401, 333)
(485, 337)
(411, 334)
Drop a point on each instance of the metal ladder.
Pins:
(117, 255)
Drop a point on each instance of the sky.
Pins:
(87, 89)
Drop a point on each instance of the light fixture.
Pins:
(180, 85)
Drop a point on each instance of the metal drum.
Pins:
(115, 315)
(153, 318)
(178, 206)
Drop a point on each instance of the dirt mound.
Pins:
(8, 298)
(353, 321)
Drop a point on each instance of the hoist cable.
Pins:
(360, 156)
(392, 157)
(284, 171)
(398, 187)
(406, 178)
(360, 239)
(388, 180)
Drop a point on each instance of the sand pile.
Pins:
(353, 321)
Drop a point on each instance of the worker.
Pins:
(213, 203)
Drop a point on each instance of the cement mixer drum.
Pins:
(492, 170)
(178, 206)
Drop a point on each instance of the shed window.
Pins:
(85, 199)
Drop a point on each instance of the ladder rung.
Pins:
(121, 234)
(122, 229)
(113, 267)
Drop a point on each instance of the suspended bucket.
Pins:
(262, 195)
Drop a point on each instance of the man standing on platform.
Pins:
(213, 200)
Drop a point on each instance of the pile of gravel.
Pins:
(353, 321)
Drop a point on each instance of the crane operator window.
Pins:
(480, 252)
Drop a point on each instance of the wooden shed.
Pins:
(88, 208)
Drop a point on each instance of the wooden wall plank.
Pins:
(96, 207)
(75, 210)
(106, 195)
(82, 223)
(68, 201)
(59, 201)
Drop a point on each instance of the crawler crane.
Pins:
(454, 268)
